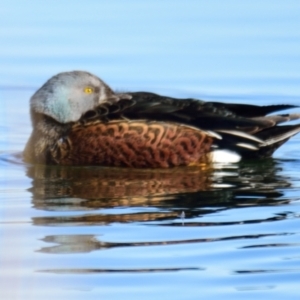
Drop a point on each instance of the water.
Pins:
(182, 234)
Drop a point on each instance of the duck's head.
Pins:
(67, 96)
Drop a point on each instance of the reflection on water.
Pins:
(68, 244)
(128, 185)
(169, 193)
(93, 271)
(72, 188)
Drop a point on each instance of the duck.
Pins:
(77, 119)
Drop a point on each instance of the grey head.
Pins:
(67, 96)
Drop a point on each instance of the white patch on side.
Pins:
(225, 156)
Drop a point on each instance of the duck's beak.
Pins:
(114, 98)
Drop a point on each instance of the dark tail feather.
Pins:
(252, 111)
(260, 145)
(275, 137)
(277, 119)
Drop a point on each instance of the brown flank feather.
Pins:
(135, 144)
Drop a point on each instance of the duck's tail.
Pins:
(263, 142)
(275, 137)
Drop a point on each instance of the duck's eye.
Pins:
(88, 90)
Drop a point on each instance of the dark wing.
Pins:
(243, 128)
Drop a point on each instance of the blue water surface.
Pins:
(94, 233)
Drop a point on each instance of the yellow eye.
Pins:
(88, 90)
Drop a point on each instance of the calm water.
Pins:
(98, 233)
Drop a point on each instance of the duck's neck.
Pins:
(46, 132)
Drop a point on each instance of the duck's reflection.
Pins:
(67, 244)
(94, 187)
(158, 197)
(91, 188)
(195, 191)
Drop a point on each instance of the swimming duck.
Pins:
(78, 120)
